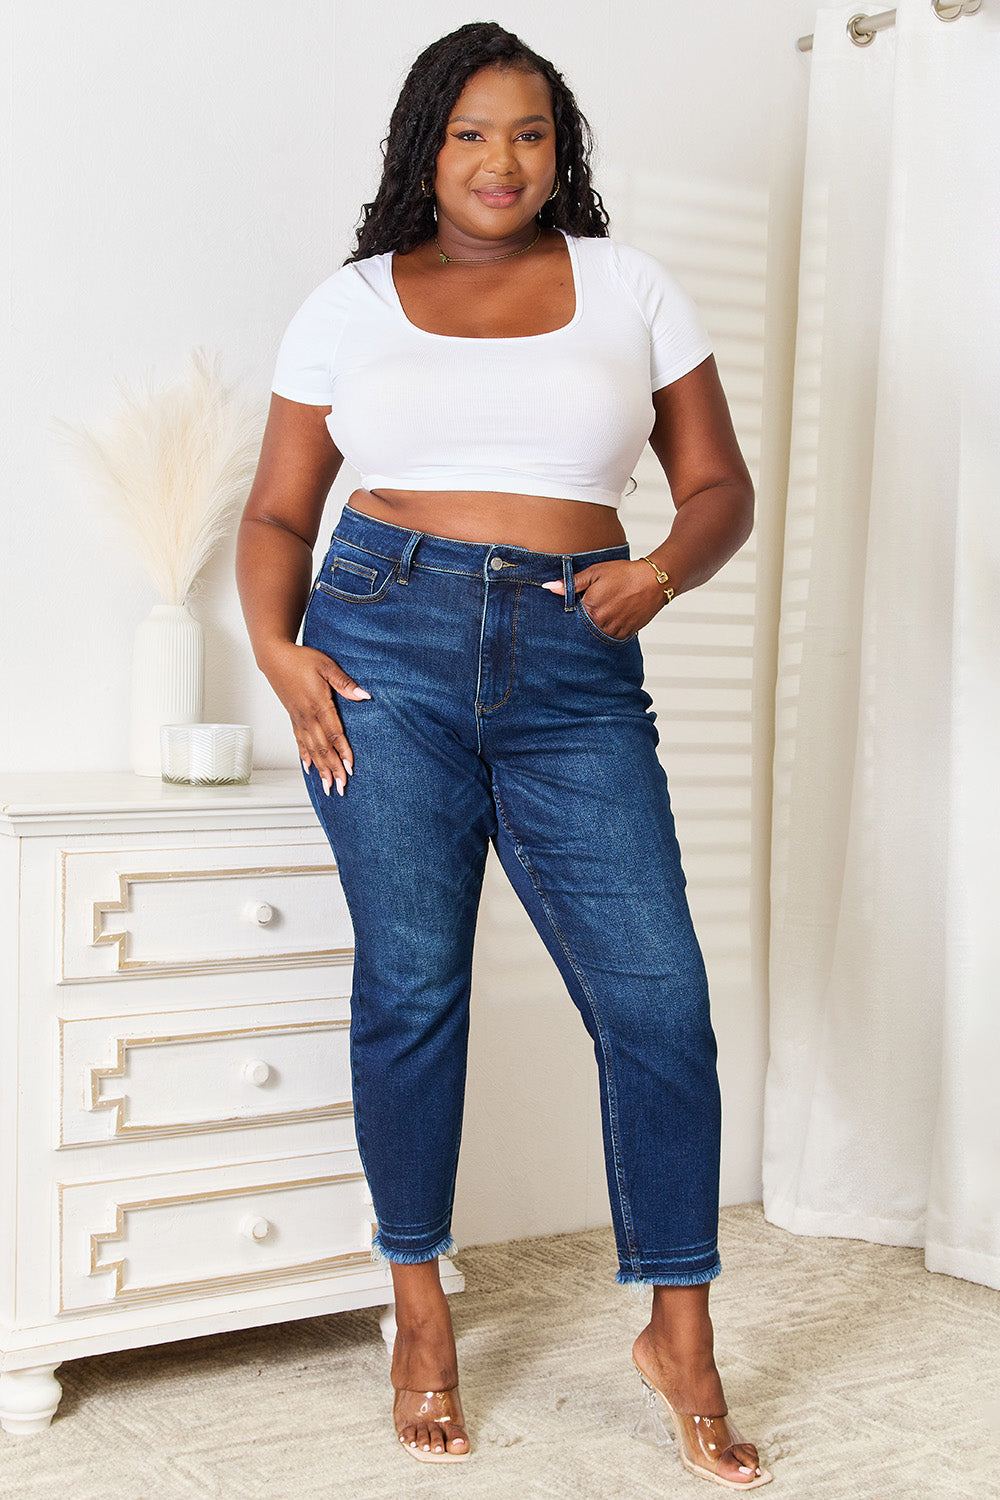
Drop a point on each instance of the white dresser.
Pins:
(177, 1152)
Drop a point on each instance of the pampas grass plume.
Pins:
(175, 463)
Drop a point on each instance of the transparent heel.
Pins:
(650, 1426)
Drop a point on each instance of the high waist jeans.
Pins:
(500, 712)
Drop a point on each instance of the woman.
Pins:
(493, 364)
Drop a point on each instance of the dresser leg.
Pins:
(387, 1323)
(28, 1399)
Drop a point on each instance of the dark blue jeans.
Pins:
(500, 712)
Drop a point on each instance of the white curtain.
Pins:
(882, 1113)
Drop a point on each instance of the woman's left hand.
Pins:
(620, 597)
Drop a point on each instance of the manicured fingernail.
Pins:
(305, 766)
(349, 767)
(340, 787)
(326, 785)
(555, 587)
(359, 693)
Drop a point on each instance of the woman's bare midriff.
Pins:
(536, 522)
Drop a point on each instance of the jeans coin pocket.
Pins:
(356, 581)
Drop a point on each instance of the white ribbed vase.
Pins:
(167, 677)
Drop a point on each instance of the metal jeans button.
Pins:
(496, 563)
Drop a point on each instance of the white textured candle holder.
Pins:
(206, 754)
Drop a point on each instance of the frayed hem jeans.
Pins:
(500, 713)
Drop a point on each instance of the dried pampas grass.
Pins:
(175, 463)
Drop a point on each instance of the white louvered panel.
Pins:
(686, 734)
(651, 197)
(699, 652)
(701, 633)
(726, 865)
(724, 903)
(718, 802)
(676, 663)
(717, 764)
(800, 514)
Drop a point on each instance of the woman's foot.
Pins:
(675, 1355)
(427, 1412)
(430, 1425)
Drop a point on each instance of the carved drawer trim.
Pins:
(181, 912)
(119, 1104)
(93, 1245)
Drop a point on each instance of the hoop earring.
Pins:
(423, 189)
(554, 190)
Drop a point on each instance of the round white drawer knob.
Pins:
(256, 1072)
(255, 1228)
(261, 913)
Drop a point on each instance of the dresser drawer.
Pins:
(192, 911)
(124, 1077)
(195, 1233)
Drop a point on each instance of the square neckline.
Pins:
(517, 338)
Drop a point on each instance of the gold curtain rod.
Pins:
(863, 29)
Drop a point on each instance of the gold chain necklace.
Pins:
(479, 260)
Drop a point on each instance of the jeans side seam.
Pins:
(599, 1023)
(305, 612)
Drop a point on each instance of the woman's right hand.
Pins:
(306, 681)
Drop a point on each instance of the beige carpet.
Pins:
(860, 1374)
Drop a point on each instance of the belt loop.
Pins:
(570, 603)
(407, 557)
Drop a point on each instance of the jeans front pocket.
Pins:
(602, 635)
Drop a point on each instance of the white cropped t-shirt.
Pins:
(563, 414)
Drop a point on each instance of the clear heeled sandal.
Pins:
(429, 1409)
(702, 1442)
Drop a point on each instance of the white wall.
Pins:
(182, 175)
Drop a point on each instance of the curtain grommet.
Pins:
(860, 37)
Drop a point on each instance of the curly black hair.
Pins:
(402, 215)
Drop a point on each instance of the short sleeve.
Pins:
(677, 335)
(305, 366)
